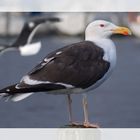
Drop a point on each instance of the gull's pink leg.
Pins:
(86, 120)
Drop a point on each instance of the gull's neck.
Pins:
(101, 42)
(96, 38)
(107, 45)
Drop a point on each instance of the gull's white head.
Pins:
(103, 29)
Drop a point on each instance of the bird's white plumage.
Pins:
(58, 53)
(109, 50)
(66, 85)
(15, 97)
(19, 97)
(96, 30)
(30, 49)
(29, 81)
(47, 60)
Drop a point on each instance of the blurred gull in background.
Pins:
(23, 43)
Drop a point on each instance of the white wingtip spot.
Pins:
(7, 90)
(30, 49)
(17, 86)
(58, 53)
(31, 24)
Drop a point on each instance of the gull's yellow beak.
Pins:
(121, 30)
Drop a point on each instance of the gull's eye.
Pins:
(102, 25)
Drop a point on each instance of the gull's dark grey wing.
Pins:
(78, 65)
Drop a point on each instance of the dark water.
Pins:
(114, 104)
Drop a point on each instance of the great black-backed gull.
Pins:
(75, 68)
